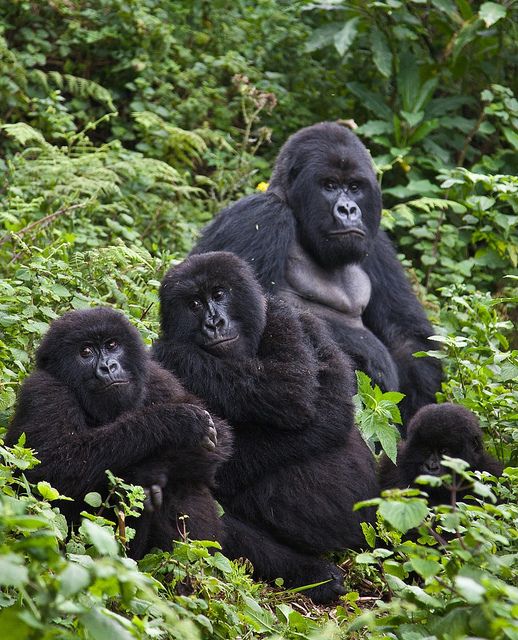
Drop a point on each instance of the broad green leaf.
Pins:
(94, 499)
(73, 579)
(47, 492)
(101, 538)
(425, 568)
(491, 12)
(13, 573)
(381, 53)
(471, 591)
(403, 515)
(345, 37)
(322, 37)
(370, 100)
(102, 624)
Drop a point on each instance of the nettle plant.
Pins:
(449, 571)
(481, 367)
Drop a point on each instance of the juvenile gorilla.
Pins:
(313, 239)
(97, 401)
(434, 431)
(299, 463)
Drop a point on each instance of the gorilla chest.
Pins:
(343, 292)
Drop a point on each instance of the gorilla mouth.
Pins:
(346, 232)
(114, 383)
(219, 341)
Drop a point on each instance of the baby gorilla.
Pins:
(97, 401)
(434, 431)
(299, 463)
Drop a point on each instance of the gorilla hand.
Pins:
(154, 494)
(198, 426)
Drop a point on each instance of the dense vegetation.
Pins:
(124, 126)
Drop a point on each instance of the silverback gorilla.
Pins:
(313, 239)
(97, 401)
(278, 378)
(434, 431)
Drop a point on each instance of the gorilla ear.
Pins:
(293, 173)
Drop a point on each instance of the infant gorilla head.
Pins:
(436, 431)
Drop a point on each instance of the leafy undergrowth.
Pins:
(445, 572)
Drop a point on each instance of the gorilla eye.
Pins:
(330, 185)
(354, 187)
(111, 345)
(195, 304)
(218, 295)
(85, 351)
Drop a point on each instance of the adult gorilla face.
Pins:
(204, 301)
(328, 180)
(99, 355)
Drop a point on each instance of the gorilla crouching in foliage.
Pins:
(313, 239)
(97, 401)
(278, 378)
(437, 430)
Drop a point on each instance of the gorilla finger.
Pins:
(208, 444)
(162, 480)
(209, 418)
(157, 497)
(213, 435)
(148, 503)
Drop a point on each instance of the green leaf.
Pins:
(381, 53)
(425, 568)
(73, 579)
(101, 538)
(403, 515)
(47, 492)
(102, 624)
(471, 591)
(13, 573)
(369, 533)
(370, 100)
(491, 12)
(94, 499)
(345, 37)
(511, 137)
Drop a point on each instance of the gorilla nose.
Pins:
(348, 211)
(433, 468)
(214, 324)
(108, 368)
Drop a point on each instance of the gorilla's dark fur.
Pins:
(436, 430)
(299, 463)
(97, 401)
(313, 239)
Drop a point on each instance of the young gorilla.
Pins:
(313, 239)
(97, 401)
(434, 431)
(299, 463)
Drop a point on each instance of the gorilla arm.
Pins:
(74, 456)
(396, 317)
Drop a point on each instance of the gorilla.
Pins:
(299, 463)
(434, 431)
(313, 239)
(97, 401)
